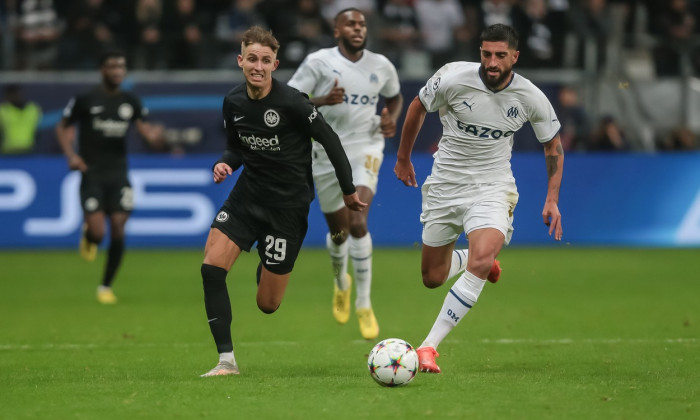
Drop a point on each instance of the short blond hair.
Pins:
(259, 35)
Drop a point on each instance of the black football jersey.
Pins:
(103, 121)
(272, 138)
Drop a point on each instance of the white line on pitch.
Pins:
(280, 343)
(85, 346)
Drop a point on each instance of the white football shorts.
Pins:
(449, 210)
(365, 160)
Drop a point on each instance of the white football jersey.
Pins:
(479, 124)
(355, 120)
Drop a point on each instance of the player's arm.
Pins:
(65, 134)
(229, 162)
(415, 115)
(154, 134)
(231, 159)
(554, 158)
(390, 114)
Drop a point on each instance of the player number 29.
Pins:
(276, 248)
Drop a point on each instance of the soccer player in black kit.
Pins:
(269, 129)
(104, 115)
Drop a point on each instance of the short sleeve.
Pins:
(72, 110)
(432, 95)
(392, 87)
(305, 77)
(140, 111)
(543, 119)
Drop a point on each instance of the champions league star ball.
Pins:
(393, 362)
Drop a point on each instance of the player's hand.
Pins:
(405, 173)
(353, 202)
(552, 218)
(387, 124)
(157, 133)
(336, 95)
(76, 162)
(221, 171)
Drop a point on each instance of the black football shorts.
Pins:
(279, 232)
(106, 193)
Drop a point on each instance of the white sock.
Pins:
(459, 300)
(459, 262)
(361, 254)
(339, 261)
(227, 357)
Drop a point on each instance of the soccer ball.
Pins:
(393, 362)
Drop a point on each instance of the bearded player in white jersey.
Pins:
(345, 83)
(471, 187)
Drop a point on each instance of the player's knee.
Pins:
(434, 277)
(480, 265)
(95, 235)
(339, 237)
(358, 230)
(268, 307)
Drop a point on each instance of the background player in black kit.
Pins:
(269, 129)
(104, 115)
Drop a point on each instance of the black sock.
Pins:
(114, 259)
(218, 306)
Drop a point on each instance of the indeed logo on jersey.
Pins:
(260, 143)
(483, 132)
(109, 127)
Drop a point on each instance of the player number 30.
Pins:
(372, 164)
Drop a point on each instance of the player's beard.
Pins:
(349, 47)
(495, 82)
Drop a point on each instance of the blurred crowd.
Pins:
(205, 34)
(657, 38)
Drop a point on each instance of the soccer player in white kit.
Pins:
(471, 187)
(346, 82)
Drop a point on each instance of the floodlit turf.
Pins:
(565, 334)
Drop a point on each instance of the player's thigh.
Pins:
(95, 223)
(233, 230)
(117, 223)
(220, 251)
(271, 290)
(280, 235)
(437, 259)
(485, 243)
(359, 218)
(492, 207)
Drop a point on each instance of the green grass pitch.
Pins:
(567, 333)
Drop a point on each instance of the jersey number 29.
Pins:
(276, 248)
